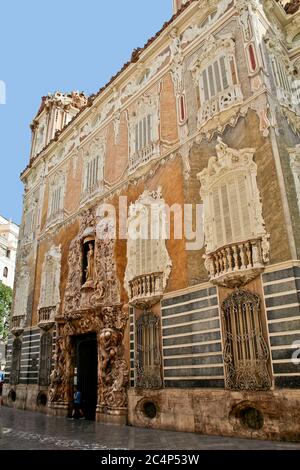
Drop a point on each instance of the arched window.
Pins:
(45, 358)
(246, 354)
(5, 272)
(148, 355)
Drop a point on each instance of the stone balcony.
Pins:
(17, 324)
(224, 100)
(46, 317)
(143, 156)
(237, 264)
(146, 290)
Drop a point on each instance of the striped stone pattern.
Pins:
(192, 348)
(131, 320)
(282, 298)
(8, 358)
(29, 357)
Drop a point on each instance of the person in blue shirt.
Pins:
(77, 405)
(1, 385)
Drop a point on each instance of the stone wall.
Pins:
(256, 415)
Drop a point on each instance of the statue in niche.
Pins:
(90, 269)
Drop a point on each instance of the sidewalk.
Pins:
(25, 430)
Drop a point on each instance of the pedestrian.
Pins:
(1, 386)
(77, 405)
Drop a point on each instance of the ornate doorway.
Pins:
(90, 330)
(86, 360)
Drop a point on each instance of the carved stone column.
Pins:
(113, 372)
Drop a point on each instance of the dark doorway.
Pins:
(87, 374)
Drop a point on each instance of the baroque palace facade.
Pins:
(170, 332)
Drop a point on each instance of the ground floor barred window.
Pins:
(148, 351)
(246, 353)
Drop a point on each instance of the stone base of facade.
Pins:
(117, 417)
(26, 397)
(59, 409)
(272, 415)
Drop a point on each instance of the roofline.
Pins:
(136, 55)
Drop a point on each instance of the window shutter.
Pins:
(205, 86)
(211, 81)
(245, 219)
(234, 210)
(226, 214)
(224, 73)
(217, 76)
(217, 217)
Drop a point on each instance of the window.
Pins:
(231, 211)
(21, 295)
(57, 193)
(56, 201)
(50, 295)
(15, 361)
(232, 207)
(215, 75)
(148, 262)
(148, 355)
(285, 77)
(28, 226)
(144, 131)
(5, 272)
(282, 79)
(246, 354)
(93, 174)
(8, 253)
(46, 347)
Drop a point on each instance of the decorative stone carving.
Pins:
(106, 285)
(114, 376)
(295, 166)
(244, 18)
(98, 310)
(211, 5)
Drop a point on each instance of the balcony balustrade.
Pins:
(46, 317)
(236, 264)
(17, 324)
(219, 103)
(146, 290)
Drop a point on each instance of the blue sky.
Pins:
(60, 45)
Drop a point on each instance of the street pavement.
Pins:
(25, 430)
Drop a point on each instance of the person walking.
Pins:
(77, 405)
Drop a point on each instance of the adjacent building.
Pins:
(159, 259)
(9, 233)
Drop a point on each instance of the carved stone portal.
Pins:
(94, 310)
